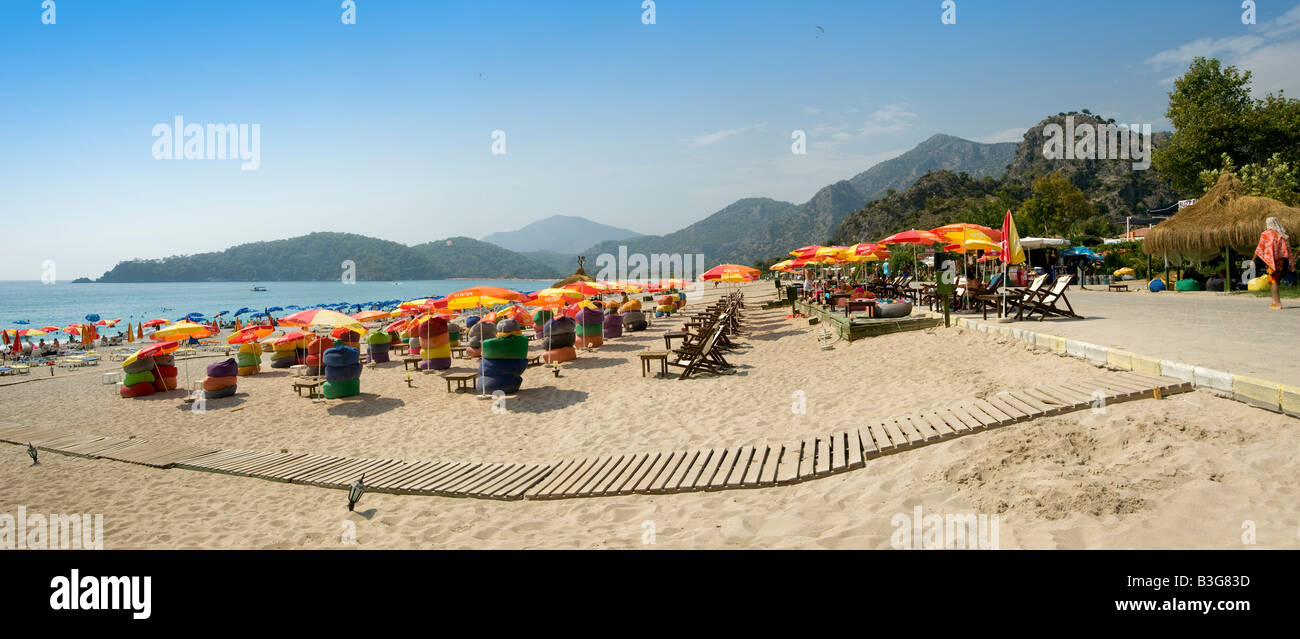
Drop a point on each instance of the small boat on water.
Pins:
(259, 289)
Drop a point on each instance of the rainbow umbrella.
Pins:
(322, 317)
(183, 330)
(250, 334)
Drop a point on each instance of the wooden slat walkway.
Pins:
(747, 466)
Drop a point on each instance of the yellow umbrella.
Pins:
(183, 330)
(323, 317)
(554, 297)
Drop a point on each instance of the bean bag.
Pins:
(665, 309)
(164, 371)
(319, 345)
(138, 366)
(138, 390)
(481, 331)
(471, 321)
(342, 373)
(634, 320)
(435, 344)
(1157, 285)
(164, 360)
(143, 377)
(379, 353)
(169, 383)
(1188, 285)
(225, 368)
(334, 390)
(218, 383)
(559, 333)
(504, 366)
(470, 351)
(509, 327)
(613, 326)
(246, 359)
(413, 346)
(159, 386)
(315, 370)
(283, 362)
(377, 337)
(511, 347)
(219, 393)
(267, 347)
(893, 309)
(453, 335)
(247, 371)
(540, 318)
(1261, 283)
(435, 364)
(489, 384)
(312, 361)
(563, 354)
(630, 305)
(340, 356)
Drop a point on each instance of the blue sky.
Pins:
(384, 127)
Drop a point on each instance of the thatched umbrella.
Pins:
(579, 275)
(1224, 218)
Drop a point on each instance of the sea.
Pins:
(64, 303)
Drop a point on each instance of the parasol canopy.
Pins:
(183, 330)
(731, 273)
(322, 317)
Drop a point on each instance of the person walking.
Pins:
(1274, 251)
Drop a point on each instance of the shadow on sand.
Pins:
(364, 405)
(544, 399)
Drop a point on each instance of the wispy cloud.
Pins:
(812, 110)
(1014, 134)
(891, 118)
(718, 136)
(1269, 52)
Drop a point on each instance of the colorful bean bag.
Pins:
(563, 354)
(219, 393)
(138, 390)
(342, 372)
(143, 377)
(590, 328)
(1188, 285)
(613, 326)
(164, 360)
(413, 346)
(634, 320)
(453, 335)
(435, 344)
(225, 368)
(1157, 285)
(479, 332)
(504, 361)
(138, 366)
(540, 318)
(218, 383)
(335, 390)
(560, 332)
(471, 321)
(508, 327)
(377, 344)
(630, 305)
(246, 371)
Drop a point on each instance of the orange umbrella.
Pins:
(183, 330)
(912, 237)
(588, 288)
(731, 273)
(366, 316)
(476, 296)
(957, 232)
(250, 334)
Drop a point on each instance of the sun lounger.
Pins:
(1050, 302)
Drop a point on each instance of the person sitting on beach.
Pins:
(1215, 282)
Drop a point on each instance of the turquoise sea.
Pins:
(63, 303)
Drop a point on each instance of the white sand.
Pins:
(1179, 473)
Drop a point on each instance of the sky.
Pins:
(385, 127)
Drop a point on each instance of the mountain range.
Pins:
(942, 178)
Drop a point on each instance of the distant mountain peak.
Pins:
(558, 233)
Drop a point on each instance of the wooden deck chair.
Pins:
(702, 356)
(1050, 302)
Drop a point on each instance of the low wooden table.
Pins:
(458, 352)
(407, 361)
(649, 356)
(312, 385)
(863, 305)
(463, 380)
(668, 338)
(1115, 286)
(535, 360)
(400, 347)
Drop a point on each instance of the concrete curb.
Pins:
(1261, 393)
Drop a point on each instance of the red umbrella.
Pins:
(291, 337)
(912, 237)
(155, 322)
(250, 334)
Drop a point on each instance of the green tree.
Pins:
(1057, 206)
(1275, 178)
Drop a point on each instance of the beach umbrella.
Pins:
(367, 316)
(113, 322)
(587, 288)
(155, 322)
(957, 232)
(183, 330)
(395, 327)
(159, 348)
(130, 335)
(478, 296)
(243, 311)
(291, 337)
(1083, 252)
(250, 334)
(731, 273)
(554, 297)
(51, 329)
(92, 317)
(805, 252)
(912, 237)
(322, 317)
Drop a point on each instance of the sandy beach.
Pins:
(1182, 472)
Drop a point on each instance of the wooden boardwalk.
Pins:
(735, 467)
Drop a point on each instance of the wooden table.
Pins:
(1115, 286)
(407, 361)
(668, 338)
(649, 356)
(865, 305)
(311, 384)
(463, 380)
(458, 351)
(535, 360)
(400, 347)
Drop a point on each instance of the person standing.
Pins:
(1275, 251)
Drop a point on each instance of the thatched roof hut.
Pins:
(578, 276)
(1224, 218)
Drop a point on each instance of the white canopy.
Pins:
(1030, 243)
